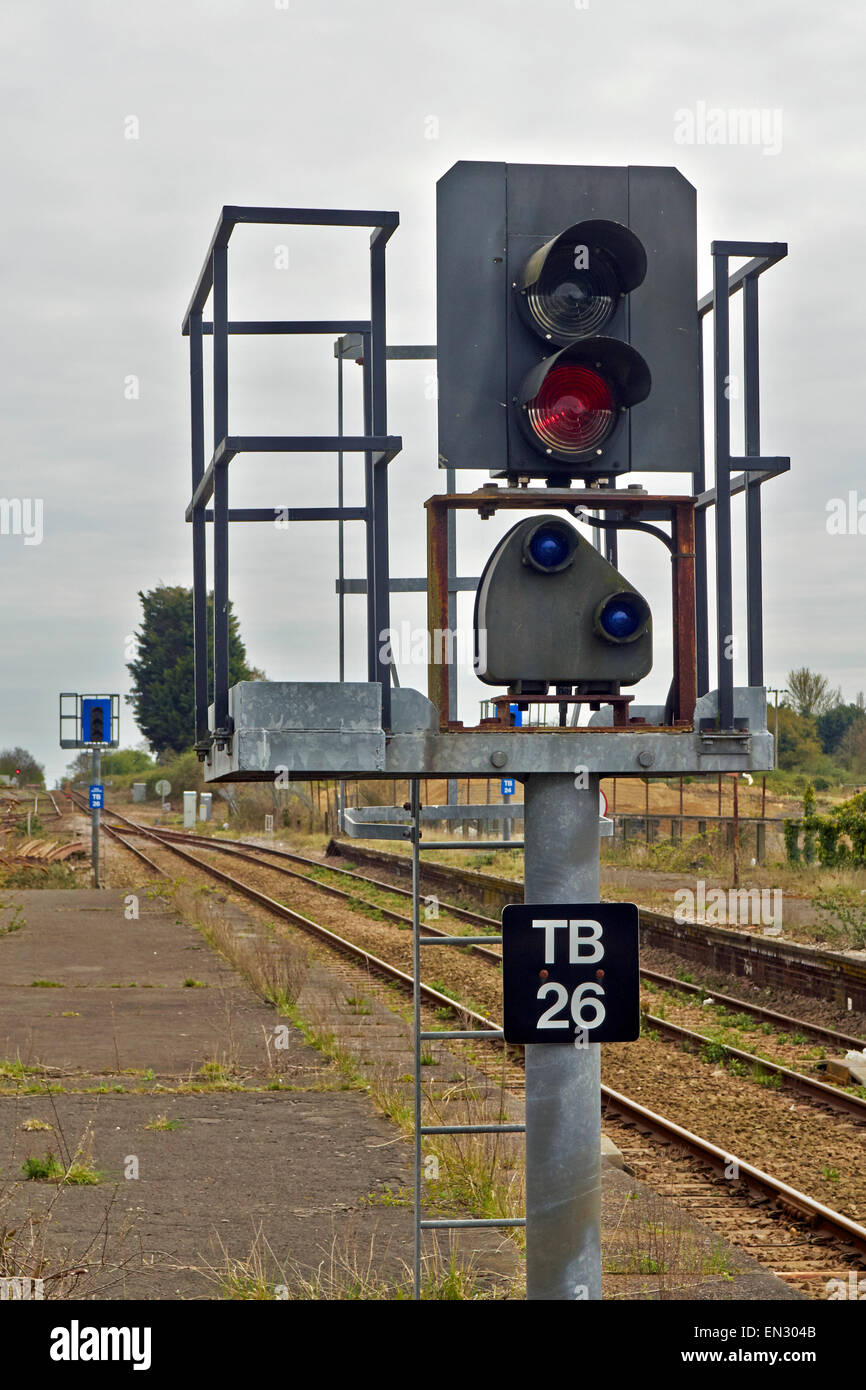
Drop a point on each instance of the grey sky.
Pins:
(333, 104)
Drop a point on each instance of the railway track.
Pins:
(733, 952)
(820, 1221)
(254, 853)
(832, 1097)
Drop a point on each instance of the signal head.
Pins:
(569, 287)
(570, 403)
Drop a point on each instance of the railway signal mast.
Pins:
(91, 721)
(569, 358)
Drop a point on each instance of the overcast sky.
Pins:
(127, 126)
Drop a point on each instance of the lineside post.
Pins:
(563, 1083)
(94, 822)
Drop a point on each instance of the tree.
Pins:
(162, 673)
(799, 749)
(115, 763)
(18, 763)
(834, 724)
(810, 692)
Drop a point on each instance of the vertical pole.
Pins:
(764, 796)
(414, 802)
(724, 582)
(450, 655)
(752, 411)
(220, 492)
(341, 566)
(681, 797)
(369, 525)
(199, 534)
(720, 795)
(563, 1095)
(379, 388)
(736, 830)
(699, 482)
(94, 823)
(341, 554)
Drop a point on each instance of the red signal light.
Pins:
(574, 409)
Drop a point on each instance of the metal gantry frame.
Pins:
(756, 470)
(211, 480)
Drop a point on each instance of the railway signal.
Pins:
(568, 340)
(550, 610)
(91, 721)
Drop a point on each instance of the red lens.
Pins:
(574, 409)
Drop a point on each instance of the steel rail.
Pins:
(755, 1178)
(831, 1096)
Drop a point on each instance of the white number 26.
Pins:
(587, 1012)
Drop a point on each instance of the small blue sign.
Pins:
(516, 716)
(506, 786)
(97, 796)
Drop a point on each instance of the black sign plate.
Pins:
(570, 972)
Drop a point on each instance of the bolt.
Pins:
(646, 758)
(498, 757)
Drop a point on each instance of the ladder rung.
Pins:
(472, 1221)
(445, 1034)
(460, 941)
(473, 1129)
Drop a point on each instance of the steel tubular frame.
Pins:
(756, 470)
(210, 481)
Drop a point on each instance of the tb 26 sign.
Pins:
(570, 973)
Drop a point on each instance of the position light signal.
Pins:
(550, 610)
(567, 322)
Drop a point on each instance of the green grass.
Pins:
(190, 983)
(48, 1168)
(46, 984)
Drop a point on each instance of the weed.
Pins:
(162, 1122)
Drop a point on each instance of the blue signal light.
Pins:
(620, 618)
(549, 547)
